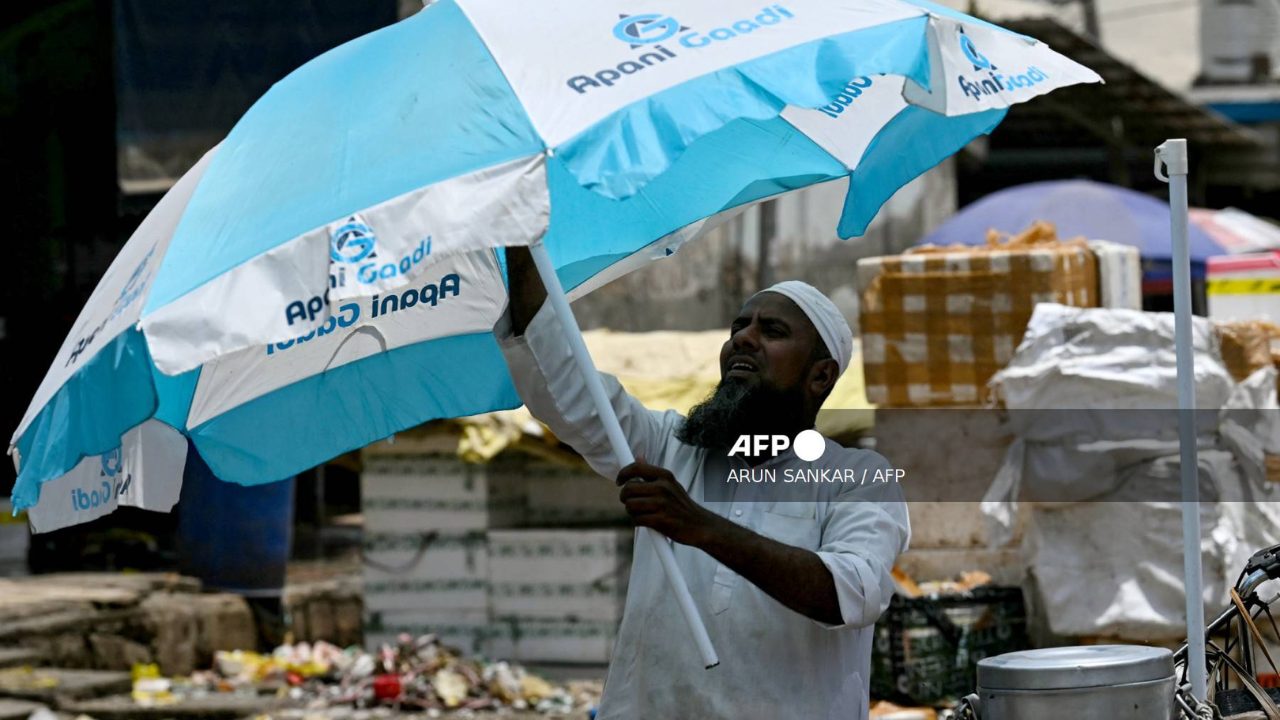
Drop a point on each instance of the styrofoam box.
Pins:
(414, 493)
(559, 574)
(541, 640)
(559, 495)
(400, 575)
(1244, 287)
(468, 630)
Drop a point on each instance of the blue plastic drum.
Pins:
(234, 538)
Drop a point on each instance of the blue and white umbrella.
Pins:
(328, 276)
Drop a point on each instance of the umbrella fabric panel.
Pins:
(351, 406)
(624, 151)
(143, 471)
(592, 62)
(910, 144)
(115, 304)
(402, 108)
(460, 296)
(290, 288)
(589, 232)
(1077, 207)
(110, 393)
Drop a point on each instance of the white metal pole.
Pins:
(1173, 154)
(621, 450)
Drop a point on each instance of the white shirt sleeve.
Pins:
(865, 529)
(551, 386)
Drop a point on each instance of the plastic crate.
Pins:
(927, 649)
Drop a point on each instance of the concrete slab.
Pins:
(17, 709)
(211, 707)
(58, 687)
(18, 657)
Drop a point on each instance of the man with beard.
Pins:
(789, 578)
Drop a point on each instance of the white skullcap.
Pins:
(824, 315)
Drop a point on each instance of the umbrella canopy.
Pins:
(327, 277)
(1097, 211)
(1236, 231)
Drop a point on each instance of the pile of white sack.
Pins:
(1091, 398)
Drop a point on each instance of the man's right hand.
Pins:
(524, 286)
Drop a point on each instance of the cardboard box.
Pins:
(937, 324)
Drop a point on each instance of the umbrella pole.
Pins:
(1173, 154)
(621, 449)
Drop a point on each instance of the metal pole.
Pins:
(621, 449)
(1173, 154)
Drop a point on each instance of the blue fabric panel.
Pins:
(313, 420)
(911, 143)
(86, 416)
(620, 154)
(404, 107)
(744, 161)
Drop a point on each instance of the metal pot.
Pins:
(1117, 682)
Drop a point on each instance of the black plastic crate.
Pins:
(927, 649)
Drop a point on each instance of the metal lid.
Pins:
(1074, 667)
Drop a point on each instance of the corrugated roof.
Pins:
(1131, 108)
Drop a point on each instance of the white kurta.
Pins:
(774, 662)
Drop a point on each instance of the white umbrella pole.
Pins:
(621, 450)
(1173, 153)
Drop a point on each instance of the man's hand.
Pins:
(654, 499)
(793, 576)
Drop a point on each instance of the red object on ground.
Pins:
(387, 687)
(293, 678)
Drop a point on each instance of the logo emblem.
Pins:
(112, 462)
(352, 242)
(808, 445)
(980, 61)
(637, 30)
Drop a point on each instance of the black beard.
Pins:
(734, 409)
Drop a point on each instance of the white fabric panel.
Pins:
(117, 301)
(553, 52)
(983, 68)
(459, 295)
(847, 126)
(144, 472)
(281, 293)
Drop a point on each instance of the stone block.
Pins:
(174, 627)
(225, 623)
(116, 652)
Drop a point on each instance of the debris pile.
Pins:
(416, 674)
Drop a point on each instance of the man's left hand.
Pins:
(654, 499)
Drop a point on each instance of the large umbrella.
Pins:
(328, 277)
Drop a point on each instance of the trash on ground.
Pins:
(417, 674)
